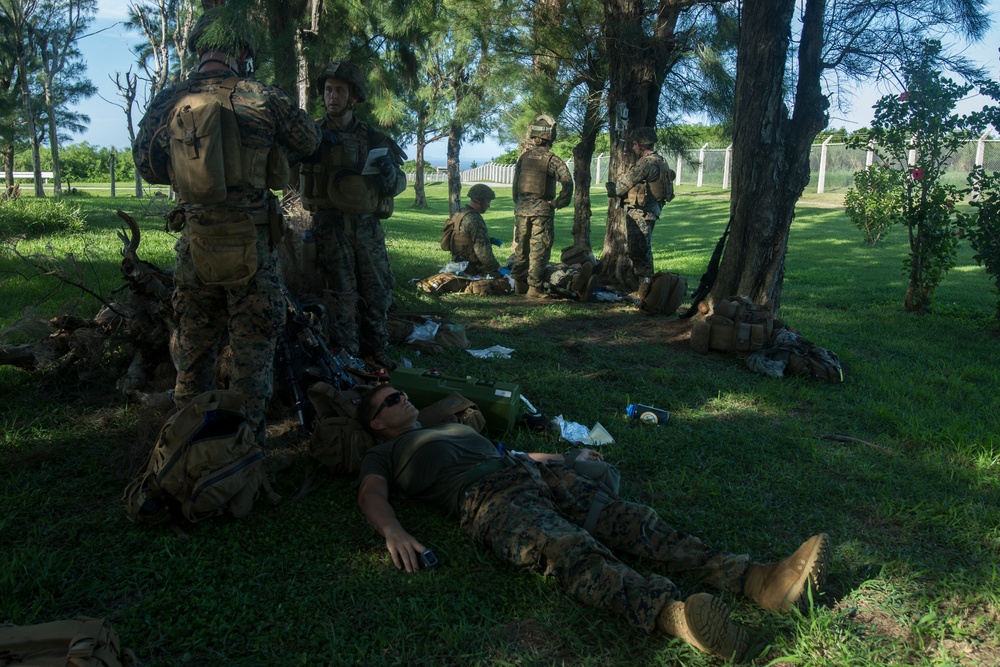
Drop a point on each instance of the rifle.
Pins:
(711, 273)
(302, 352)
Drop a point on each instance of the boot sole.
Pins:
(815, 568)
(711, 630)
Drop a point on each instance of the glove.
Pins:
(329, 138)
(612, 193)
(495, 241)
(386, 172)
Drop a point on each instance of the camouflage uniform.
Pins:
(535, 217)
(253, 314)
(353, 259)
(530, 514)
(472, 244)
(640, 220)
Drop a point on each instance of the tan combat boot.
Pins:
(782, 585)
(536, 293)
(703, 621)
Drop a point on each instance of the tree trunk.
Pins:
(419, 195)
(583, 153)
(632, 85)
(53, 144)
(283, 19)
(770, 150)
(454, 168)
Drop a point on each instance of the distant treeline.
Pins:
(83, 163)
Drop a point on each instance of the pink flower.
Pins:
(903, 96)
(917, 173)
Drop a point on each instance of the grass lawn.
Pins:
(900, 464)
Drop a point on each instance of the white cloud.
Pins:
(112, 10)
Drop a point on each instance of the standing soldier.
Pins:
(646, 187)
(535, 201)
(349, 186)
(465, 234)
(223, 141)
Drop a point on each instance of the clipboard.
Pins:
(374, 154)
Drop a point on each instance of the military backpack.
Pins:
(338, 441)
(737, 324)
(205, 463)
(80, 642)
(662, 294)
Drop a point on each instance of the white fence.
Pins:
(831, 165)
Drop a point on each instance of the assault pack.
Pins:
(662, 294)
(450, 231)
(207, 154)
(736, 325)
(338, 440)
(80, 642)
(205, 463)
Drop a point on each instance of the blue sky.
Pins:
(106, 51)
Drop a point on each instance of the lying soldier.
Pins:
(530, 509)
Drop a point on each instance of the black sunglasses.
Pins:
(392, 399)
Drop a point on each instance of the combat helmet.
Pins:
(543, 127)
(644, 136)
(221, 30)
(345, 71)
(481, 192)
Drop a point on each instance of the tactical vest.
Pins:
(335, 182)
(661, 189)
(460, 244)
(207, 155)
(534, 178)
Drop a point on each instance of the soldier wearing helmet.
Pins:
(223, 142)
(645, 188)
(535, 176)
(465, 234)
(349, 186)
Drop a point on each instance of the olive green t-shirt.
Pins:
(429, 464)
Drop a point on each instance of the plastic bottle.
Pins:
(647, 413)
(308, 252)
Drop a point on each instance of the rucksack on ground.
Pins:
(81, 642)
(662, 294)
(444, 282)
(453, 409)
(490, 287)
(205, 463)
(338, 441)
(411, 329)
(737, 324)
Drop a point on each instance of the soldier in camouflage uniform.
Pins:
(535, 176)
(644, 190)
(347, 203)
(227, 278)
(471, 240)
(537, 511)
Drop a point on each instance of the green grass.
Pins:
(908, 493)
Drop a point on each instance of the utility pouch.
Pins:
(224, 251)
(353, 194)
(278, 172)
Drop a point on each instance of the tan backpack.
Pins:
(82, 642)
(453, 408)
(205, 463)
(662, 294)
(489, 287)
(338, 440)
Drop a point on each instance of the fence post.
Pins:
(701, 164)
(821, 181)
(981, 149)
(726, 165)
(111, 164)
(869, 156)
(680, 160)
(597, 178)
(911, 157)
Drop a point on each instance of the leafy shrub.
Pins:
(874, 203)
(983, 228)
(34, 217)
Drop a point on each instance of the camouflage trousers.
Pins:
(253, 316)
(535, 235)
(639, 240)
(531, 515)
(353, 259)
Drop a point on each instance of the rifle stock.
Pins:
(711, 273)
